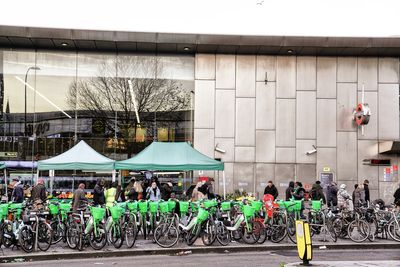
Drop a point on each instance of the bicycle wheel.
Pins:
(131, 232)
(166, 235)
(8, 237)
(358, 230)
(143, 225)
(26, 238)
(263, 234)
(209, 234)
(115, 235)
(74, 234)
(59, 230)
(193, 234)
(45, 236)
(251, 232)
(223, 235)
(394, 230)
(374, 228)
(98, 238)
(338, 228)
(291, 229)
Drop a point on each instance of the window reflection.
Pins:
(86, 96)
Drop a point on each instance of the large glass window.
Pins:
(118, 104)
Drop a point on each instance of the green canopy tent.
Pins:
(179, 156)
(79, 157)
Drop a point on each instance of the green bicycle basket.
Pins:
(226, 206)
(3, 211)
(183, 206)
(53, 209)
(163, 207)
(202, 215)
(297, 206)
(171, 205)
(209, 203)
(248, 211)
(257, 205)
(122, 205)
(98, 213)
(281, 204)
(132, 206)
(316, 205)
(116, 212)
(65, 207)
(194, 206)
(153, 206)
(143, 207)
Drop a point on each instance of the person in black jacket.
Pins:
(98, 193)
(317, 193)
(366, 191)
(289, 191)
(298, 194)
(166, 191)
(397, 197)
(271, 190)
(17, 194)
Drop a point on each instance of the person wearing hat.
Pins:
(38, 194)
(17, 194)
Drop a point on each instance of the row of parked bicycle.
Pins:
(167, 222)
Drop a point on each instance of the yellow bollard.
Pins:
(304, 244)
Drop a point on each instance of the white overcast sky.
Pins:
(360, 18)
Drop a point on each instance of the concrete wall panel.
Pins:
(224, 113)
(286, 77)
(326, 122)
(347, 69)
(204, 141)
(225, 71)
(227, 144)
(285, 122)
(264, 173)
(245, 122)
(388, 70)
(284, 173)
(346, 102)
(245, 76)
(285, 155)
(205, 67)
(204, 104)
(306, 174)
(228, 167)
(265, 106)
(302, 146)
(368, 73)
(265, 146)
(243, 177)
(347, 156)
(326, 157)
(266, 68)
(306, 73)
(306, 119)
(388, 96)
(326, 77)
(245, 154)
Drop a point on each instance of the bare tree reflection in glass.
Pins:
(106, 94)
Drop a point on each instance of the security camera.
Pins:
(310, 152)
(220, 150)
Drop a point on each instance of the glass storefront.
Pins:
(117, 103)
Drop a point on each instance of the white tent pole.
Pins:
(51, 174)
(37, 176)
(113, 176)
(224, 182)
(5, 181)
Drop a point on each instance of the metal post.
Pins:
(224, 183)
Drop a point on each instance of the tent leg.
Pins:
(37, 176)
(113, 176)
(5, 182)
(224, 183)
(51, 174)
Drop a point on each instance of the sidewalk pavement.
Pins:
(145, 247)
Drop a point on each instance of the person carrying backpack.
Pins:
(317, 193)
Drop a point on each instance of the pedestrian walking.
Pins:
(289, 191)
(317, 193)
(79, 201)
(344, 199)
(366, 192)
(358, 196)
(271, 190)
(17, 194)
(332, 191)
(98, 192)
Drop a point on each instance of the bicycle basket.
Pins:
(316, 205)
(116, 212)
(297, 206)
(153, 206)
(143, 208)
(53, 209)
(202, 215)
(65, 207)
(16, 206)
(183, 206)
(164, 207)
(132, 206)
(226, 206)
(98, 213)
(122, 205)
(3, 210)
(257, 205)
(171, 205)
(194, 206)
(209, 203)
(248, 211)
